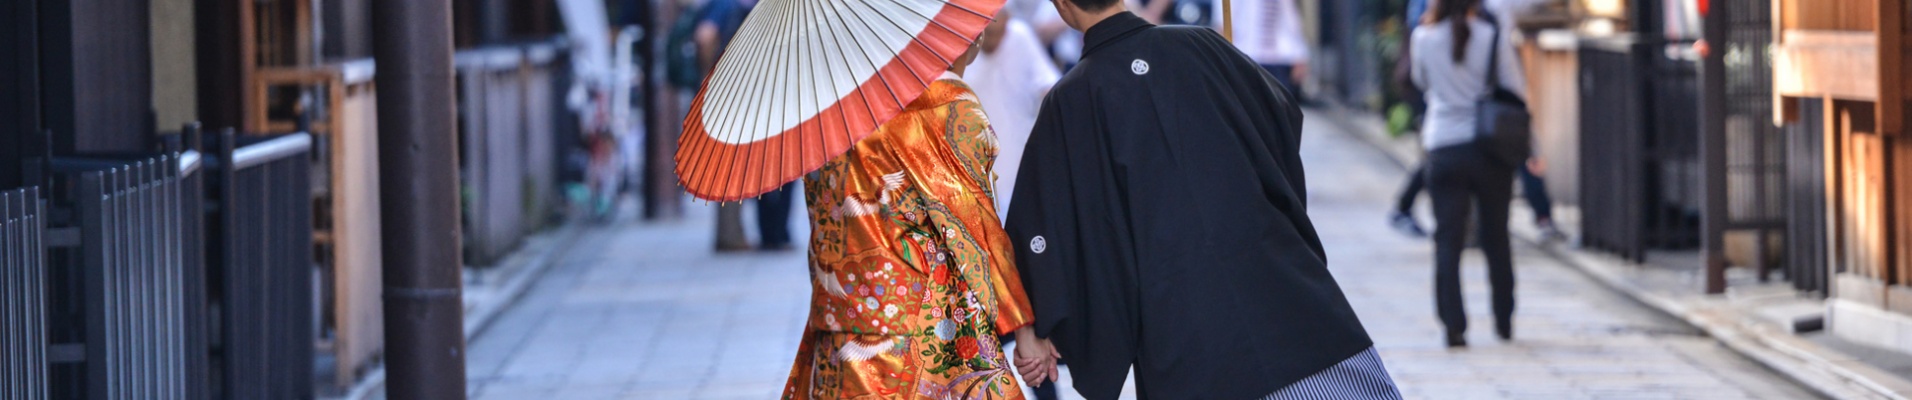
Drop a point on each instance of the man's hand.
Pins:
(1035, 358)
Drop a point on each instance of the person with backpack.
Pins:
(1532, 186)
(1475, 133)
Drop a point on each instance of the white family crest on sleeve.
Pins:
(1038, 244)
(1139, 67)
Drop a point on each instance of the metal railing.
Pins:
(196, 328)
(23, 373)
(170, 276)
(124, 278)
(1638, 147)
(260, 267)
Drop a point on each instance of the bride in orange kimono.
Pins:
(912, 275)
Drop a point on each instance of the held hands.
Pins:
(1035, 357)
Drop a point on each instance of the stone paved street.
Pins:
(647, 311)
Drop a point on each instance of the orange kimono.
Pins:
(912, 275)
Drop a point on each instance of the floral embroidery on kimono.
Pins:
(912, 275)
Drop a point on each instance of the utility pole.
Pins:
(418, 194)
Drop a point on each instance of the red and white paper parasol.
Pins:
(804, 79)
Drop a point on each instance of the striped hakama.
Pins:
(1359, 377)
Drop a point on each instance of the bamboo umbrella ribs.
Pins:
(803, 80)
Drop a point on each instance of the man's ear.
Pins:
(1068, 11)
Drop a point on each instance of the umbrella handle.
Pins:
(1228, 21)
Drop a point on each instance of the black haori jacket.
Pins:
(1161, 221)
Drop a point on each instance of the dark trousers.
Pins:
(1416, 180)
(1535, 190)
(1461, 180)
(1532, 187)
(773, 216)
(1047, 391)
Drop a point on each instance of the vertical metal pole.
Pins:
(38, 386)
(418, 194)
(1713, 168)
(10, 300)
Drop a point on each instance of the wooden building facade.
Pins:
(1840, 73)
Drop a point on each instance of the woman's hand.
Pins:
(1035, 357)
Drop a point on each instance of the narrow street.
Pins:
(647, 311)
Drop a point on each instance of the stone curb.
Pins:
(1814, 366)
(1805, 362)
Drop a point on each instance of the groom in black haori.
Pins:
(1161, 224)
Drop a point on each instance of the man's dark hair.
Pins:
(1095, 5)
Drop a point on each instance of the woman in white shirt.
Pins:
(1453, 48)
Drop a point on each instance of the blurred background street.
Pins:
(318, 199)
(643, 310)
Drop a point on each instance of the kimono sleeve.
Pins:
(1042, 223)
(973, 142)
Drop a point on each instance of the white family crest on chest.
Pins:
(1038, 244)
(1139, 67)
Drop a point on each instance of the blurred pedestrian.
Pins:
(1040, 16)
(1269, 31)
(718, 21)
(1462, 60)
(1402, 219)
(1010, 76)
(1533, 188)
(1161, 225)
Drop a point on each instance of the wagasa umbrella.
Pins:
(803, 80)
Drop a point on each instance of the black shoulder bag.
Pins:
(1502, 126)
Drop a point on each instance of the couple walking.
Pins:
(1159, 224)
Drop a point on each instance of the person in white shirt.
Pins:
(1269, 31)
(1532, 185)
(1451, 56)
(1011, 75)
